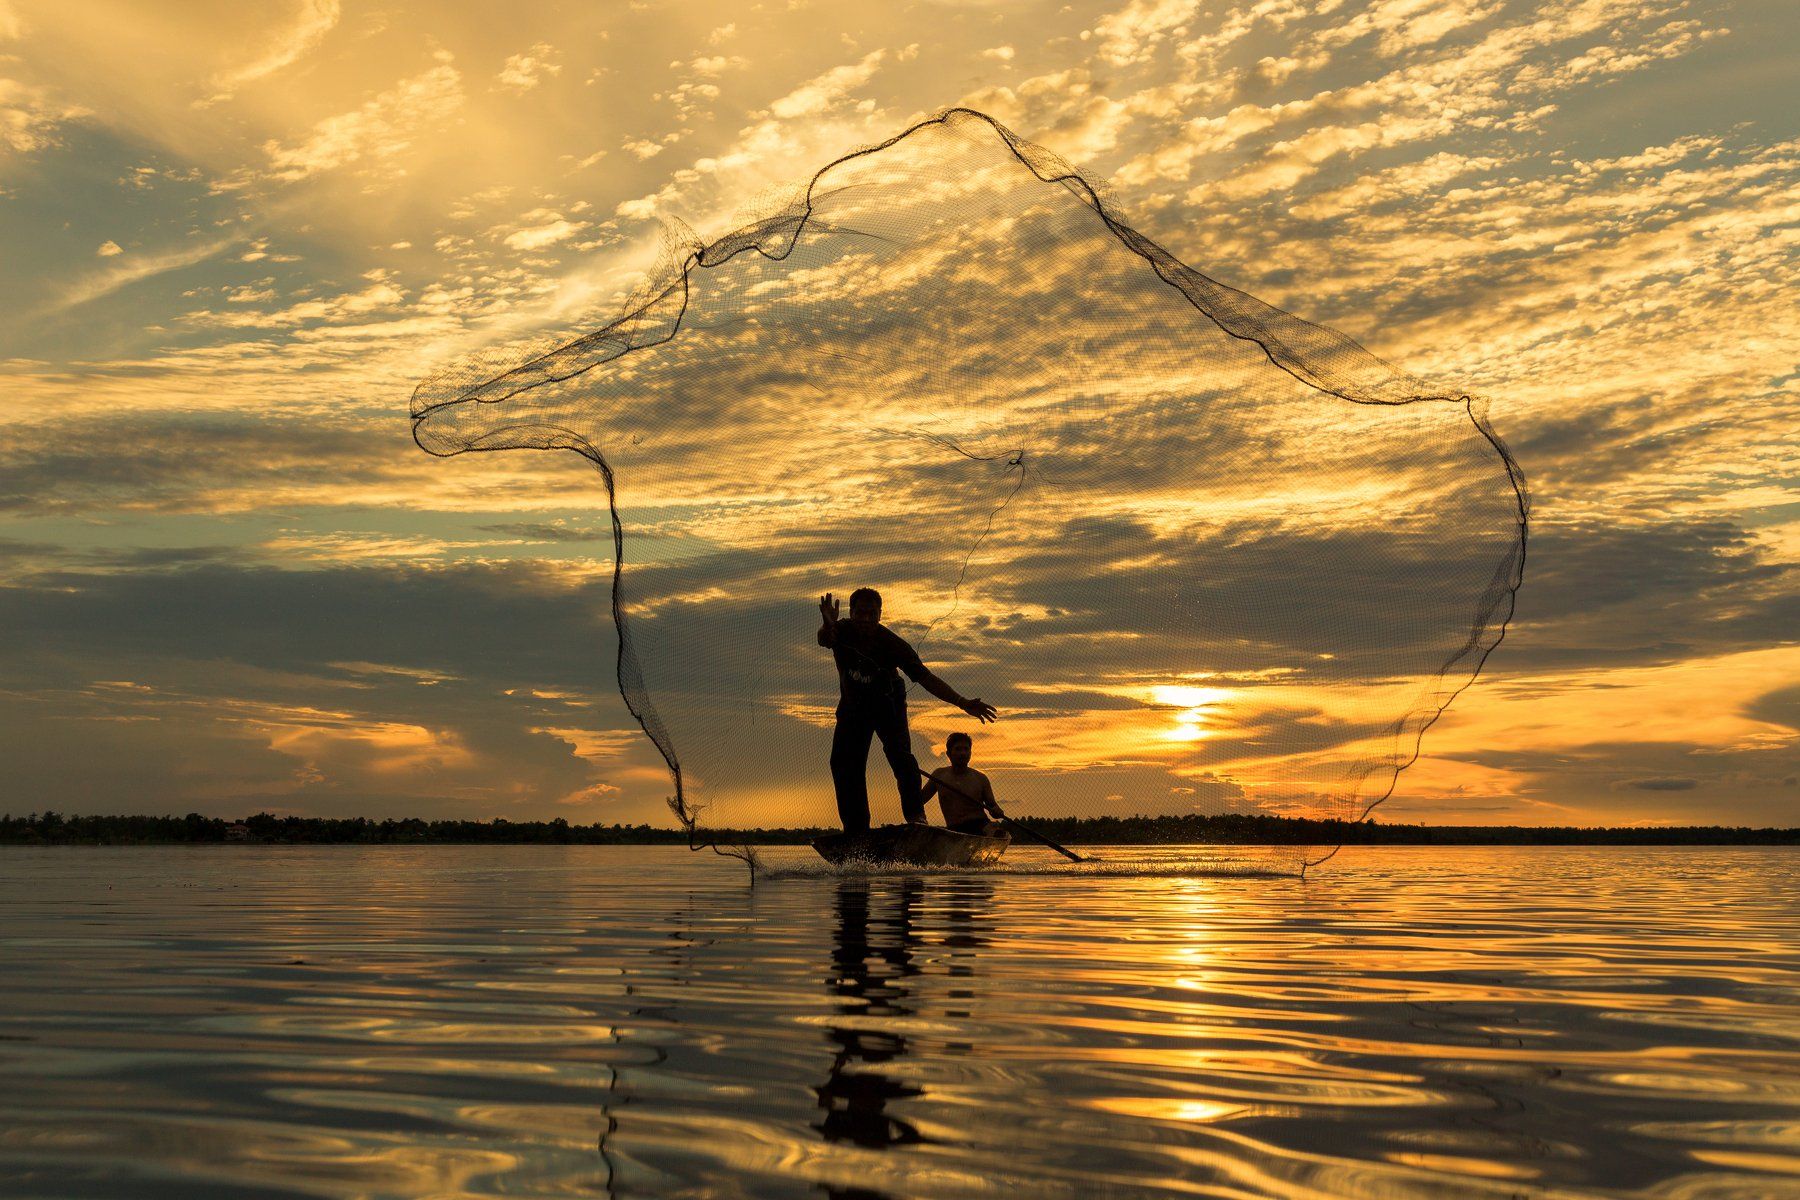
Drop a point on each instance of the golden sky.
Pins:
(238, 235)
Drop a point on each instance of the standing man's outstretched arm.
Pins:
(981, 710)
(828, 609)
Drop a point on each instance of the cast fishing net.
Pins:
(1204, 556)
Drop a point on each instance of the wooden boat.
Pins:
(912, 846)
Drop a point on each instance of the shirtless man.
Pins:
(966, 795)
(872, 703)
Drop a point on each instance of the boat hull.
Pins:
(912, 846)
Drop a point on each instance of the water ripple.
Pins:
(462, 1021)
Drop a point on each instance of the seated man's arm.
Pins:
(987, 797)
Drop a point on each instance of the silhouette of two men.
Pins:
(872, 703)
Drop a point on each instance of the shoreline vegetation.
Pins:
(51, 828)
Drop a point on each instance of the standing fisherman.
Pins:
(872, 702)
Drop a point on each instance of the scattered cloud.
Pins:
(716, 64)
(380, 129)
(1133, 34)
(312, 23)
(31, 115)
(821, 92)
(138, 267)
(549, 229)
(526, 70)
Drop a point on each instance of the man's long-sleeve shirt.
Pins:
(869, 663)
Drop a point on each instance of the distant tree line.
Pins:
(52, 828)
(1249, 829)
(55, 828)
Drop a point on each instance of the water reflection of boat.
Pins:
(911, 845)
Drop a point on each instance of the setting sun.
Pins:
(1197, 707)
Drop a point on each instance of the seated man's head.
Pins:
(957, 748)
(865, 606)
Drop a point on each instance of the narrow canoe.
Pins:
(912, 846)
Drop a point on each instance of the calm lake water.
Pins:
(254, 1022)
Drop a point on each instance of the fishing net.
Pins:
(1205, 557)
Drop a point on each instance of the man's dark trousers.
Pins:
(859, 719)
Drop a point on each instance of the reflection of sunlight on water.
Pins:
(622, 1021)
(1171, 1110)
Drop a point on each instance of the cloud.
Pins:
(818, 94)
(30, 116)
(1779, 707)
(187, 462)
(315, 19)
(1133, 34)
(368, 701)
(797, 132)
(538, 531)
(108, 248)
(377, 296)
(524, 71)
(382, 128)
(1591, 738)
(1630, 593)
(139, 267)
(546, 233)
(1432, 91)
(1600, 61)
(1403, 25)
(715, 64)
(690, 98)
(442, 689)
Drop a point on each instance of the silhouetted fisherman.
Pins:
(872, 703)
(966, 795)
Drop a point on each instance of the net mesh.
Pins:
(1204, 556)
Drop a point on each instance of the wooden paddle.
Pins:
(1012, 821)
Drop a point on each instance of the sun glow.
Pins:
(1197, 715)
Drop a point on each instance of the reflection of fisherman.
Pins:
(870, 979)
(872, 703)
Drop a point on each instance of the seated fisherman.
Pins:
(872, 703)
(967, 795)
